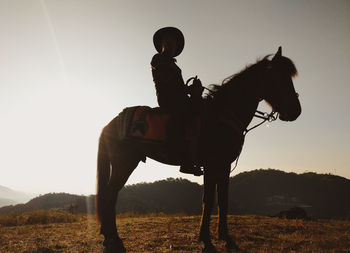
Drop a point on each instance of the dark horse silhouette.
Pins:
(227, 112)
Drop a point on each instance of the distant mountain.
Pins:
(63, 201)
(167, 196)
(9, 196)
(262, 192)
(7, 202)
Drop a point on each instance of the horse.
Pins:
(226, 113)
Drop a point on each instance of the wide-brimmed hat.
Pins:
(171, 32)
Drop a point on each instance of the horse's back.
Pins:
(116, 128)
(139, 123)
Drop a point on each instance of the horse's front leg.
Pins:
(222, 189)
(208, 202)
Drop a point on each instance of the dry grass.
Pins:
(37, 217)
(179, 233)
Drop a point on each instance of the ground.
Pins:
(179, 234)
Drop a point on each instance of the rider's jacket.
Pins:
(170, 87)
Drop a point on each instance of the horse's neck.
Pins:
(245, 106)
(241, 106)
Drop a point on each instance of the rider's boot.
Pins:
(190, 168)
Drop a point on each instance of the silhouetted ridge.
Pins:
(268, 192)
(262, 192)
(167, 196)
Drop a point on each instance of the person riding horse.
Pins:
(172, 92)
(227, 112)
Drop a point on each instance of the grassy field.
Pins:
(63, 232)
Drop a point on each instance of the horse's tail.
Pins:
(103, 175)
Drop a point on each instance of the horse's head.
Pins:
(279, 90)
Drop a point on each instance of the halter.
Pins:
(270, 117)
(264, 116)
(261, 115)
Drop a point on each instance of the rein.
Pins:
(264, 116)
(261, 115)
(270, 117)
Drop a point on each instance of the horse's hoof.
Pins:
(230, 244)
(114, 246)
(113, 249)
(204, 239)
(209, 248)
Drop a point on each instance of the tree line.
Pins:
(261, 192)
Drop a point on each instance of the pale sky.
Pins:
(67, 67)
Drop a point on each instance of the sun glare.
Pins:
(56, 141)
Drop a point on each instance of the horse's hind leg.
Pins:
(122, 167)
(108, 222)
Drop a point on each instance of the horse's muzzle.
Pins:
(291, 111)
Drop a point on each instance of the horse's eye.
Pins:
(297, 94)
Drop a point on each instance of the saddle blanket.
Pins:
(152, 124)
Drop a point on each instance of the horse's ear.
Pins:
(278, 54)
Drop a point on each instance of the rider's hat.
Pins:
(171, 32)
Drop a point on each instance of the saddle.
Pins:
(154, 124)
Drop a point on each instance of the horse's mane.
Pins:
(249, 73)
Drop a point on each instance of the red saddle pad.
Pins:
(152, 124)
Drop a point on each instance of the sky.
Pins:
(69, 67)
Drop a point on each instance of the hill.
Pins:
(261, 192)
(167, 196)
(10, 197)
(63, 201)
(267, 192)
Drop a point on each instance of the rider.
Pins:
(172, 92)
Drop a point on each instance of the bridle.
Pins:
(261, 115)
(270, 117)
